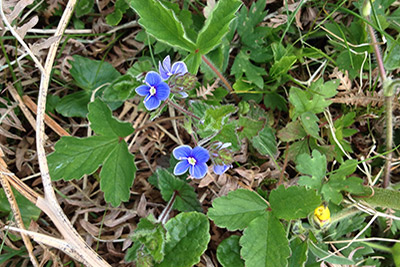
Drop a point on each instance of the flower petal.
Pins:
(181, 167)
(200, 154)
(153, 78)
(179, 68)
(198, 171)
(220, 169)
(163, 72)
(167, 63)
(162, 91)
(152, 103)
(182, 152)
(142, 90)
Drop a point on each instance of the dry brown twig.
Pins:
(73, 244)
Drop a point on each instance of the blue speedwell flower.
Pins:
(166, 70)
(193, 159)
(155, 90)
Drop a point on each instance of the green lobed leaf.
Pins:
(294, 202)
(188, 237)
(74, 157)
(237, 209)
(103, 123)
(215, 117)
(162, 23)
(217, 25)
(282, 66)
(338, 182)
(186, 199)
(228, 252)
(299, 254)
(242, 64)
(248, 128)
(91, 74)
(265, 141)
(117, 174)
(315, 167)
(310, 123)
(264, 242)
(331, 259)
(293, 131)
(274, 100)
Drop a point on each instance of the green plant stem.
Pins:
(378, 246)
(169, 102)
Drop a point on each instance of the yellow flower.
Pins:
(322, 216)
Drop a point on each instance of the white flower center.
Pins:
(152, 90)
(191, 160)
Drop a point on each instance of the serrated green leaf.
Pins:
(325, 89)
(264, 242)
(215, 118)
(294, 202)
(84, 7)
(162, 23)
(217, 25)
(265, 142)
(74, 157)
(293, 131)
(152, 236)
(299, 254)
(28, 210)
(331, 259)
(249, 128)
(310, 123)
(121, 89)
(242, 64)
(74, 105)
(228, 252)
(298, 148)
(103, 123)
(237, 209)
(315, 167)
(117, 174)
(186, 199)
(248, 19)
(300, 101)
(188, 239)
(91, 74)
(228, 135)
(274, 100)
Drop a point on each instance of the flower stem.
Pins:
(169, 102)
(220, 76)
(164, 214)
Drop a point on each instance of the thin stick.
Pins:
(20, 40)
(18, 218)
(47, 119)
(49, 204)
(22, 105)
